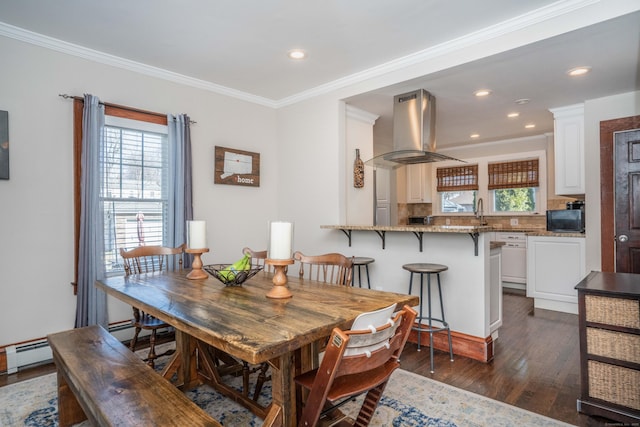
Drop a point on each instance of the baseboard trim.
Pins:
(122, 330)
(3, 360)
(476, 348)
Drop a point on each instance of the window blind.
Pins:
(516, 174)
(457, 178)
(134, 190)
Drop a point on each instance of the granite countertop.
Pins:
(529, 231)
(416, 228)
(533, 231)
(545, 233)
(495, 245)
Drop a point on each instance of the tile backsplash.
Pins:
(405, 210)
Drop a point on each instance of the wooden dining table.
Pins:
(242, 322)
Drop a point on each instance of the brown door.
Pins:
(627, 201)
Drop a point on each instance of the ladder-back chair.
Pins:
(257, 257)
(355, 362)
(146, 259)
(329, 268)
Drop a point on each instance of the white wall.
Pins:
(36, 204)
(312, 179)
(595, 111)
(359, 135)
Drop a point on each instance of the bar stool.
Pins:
(429, 269)
(361, 262)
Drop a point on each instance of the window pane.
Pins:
(134, 191)
(457, 201)
(515, 200)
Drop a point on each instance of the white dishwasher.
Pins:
(514, 259)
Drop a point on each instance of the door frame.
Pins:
(607, 187)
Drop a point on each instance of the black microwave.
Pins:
(565, 221)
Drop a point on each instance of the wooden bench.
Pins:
(102, 380)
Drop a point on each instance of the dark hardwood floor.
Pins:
(536, 365)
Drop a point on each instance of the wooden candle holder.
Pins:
(279, 290)
(196, 266)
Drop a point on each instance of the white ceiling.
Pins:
(240, 48)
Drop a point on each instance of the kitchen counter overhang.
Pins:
(418, 230)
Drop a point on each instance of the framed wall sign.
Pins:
(4, 145)
(236, 167)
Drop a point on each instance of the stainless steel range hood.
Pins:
(414, 132)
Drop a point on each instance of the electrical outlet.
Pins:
(447, 221)
(514, 221)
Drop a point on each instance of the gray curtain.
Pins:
(91, 302)
(180, 195)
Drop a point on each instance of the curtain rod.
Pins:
(106, 104)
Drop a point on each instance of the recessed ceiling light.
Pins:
(482, 92)
(474, 135)
(579, 71)
(530, 126)
(297, 54)
(513, 115)
(522, 101)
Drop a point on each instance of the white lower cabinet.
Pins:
(495, 293)
(555, 265)
(514, 257)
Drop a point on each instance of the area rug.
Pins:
(409, 400)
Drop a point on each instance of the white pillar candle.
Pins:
(197, 234)
(280, 240)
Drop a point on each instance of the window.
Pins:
(457, 201)
(134, 187)
(457, 188)
(514, 186)
(126, 118)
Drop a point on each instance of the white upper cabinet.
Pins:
(419, 183)
(569, 149)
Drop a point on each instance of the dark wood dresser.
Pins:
(609, 315)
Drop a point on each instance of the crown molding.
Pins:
(126, 64)
(537, 16)
(361, 115)
(499, 142)
(503, 28)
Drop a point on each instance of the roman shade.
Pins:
(515, 174)
(457, 178)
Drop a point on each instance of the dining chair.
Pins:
(356, 361)
(257, 257)
(329, 268)
(146, 259)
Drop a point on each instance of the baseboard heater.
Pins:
(38, 351)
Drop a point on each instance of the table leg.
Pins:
(283, 406)
(172, 366)
(184, 362)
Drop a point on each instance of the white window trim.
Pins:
(483, 183)
(135, 124)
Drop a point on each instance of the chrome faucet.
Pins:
(480, 211)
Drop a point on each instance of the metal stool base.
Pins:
(429, 269)
(361, 262)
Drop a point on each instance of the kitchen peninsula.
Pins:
(472, 300)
